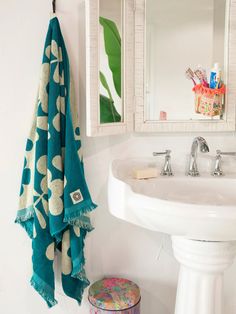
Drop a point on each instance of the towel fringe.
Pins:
(50, 300)
(29, 214)
(25, 219)
(73, 218)
(81, 224)
(27, 225)
(79, 273)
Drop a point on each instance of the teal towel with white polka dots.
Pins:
(54, 199)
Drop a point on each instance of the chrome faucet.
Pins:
(203, 146)
(166, 171)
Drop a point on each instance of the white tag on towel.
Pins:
(76, 196)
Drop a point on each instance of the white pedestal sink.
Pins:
(200, 215)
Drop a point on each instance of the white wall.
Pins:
(115, 247)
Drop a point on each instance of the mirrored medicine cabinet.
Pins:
(138, 52)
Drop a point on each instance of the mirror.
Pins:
(184, 65)
(109, 66)
(110, 57)
(180, 35)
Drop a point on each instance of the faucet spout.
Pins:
(203, 147)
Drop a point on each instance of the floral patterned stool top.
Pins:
(114, 294)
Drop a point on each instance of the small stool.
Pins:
(114, 295)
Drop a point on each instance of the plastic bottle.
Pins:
(215, 77)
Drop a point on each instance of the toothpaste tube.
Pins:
(215, 77)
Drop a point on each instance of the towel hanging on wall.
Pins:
(54, 198)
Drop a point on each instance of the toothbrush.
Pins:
(201, 75)
(190, 75)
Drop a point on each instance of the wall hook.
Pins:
(54, 6)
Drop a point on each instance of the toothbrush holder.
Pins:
(208, 101)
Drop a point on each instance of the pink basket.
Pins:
(209, 102)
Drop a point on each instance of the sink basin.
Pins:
(200, 215)
(201, 208)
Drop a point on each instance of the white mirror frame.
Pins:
(228, 124)
(93, 125)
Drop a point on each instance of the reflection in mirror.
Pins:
(180, 35)
(110, 58)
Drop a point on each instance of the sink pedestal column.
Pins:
(200, 285)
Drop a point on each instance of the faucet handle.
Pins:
(166, 152)
(166, 171)
(217, 169)
(219, 152)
